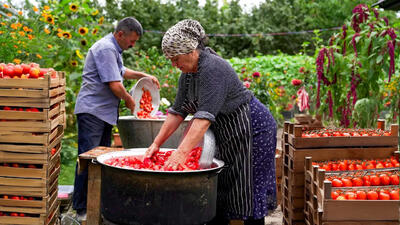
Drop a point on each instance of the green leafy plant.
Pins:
(353, 68)
(270, 78)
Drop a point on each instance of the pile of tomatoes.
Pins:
(365, 179)
(371, 194)
(157, 161)
(145, 105)
(24, 71)
(342, 165)
(344, 132)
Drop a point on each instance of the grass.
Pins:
(67, 174)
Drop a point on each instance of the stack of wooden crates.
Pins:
(32, 115)
(297, 200)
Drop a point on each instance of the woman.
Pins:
(244, 129)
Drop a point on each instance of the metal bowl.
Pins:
(140, 133)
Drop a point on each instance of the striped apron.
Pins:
(238, 196)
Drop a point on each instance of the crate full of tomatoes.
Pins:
(367, 193)
(29, 85)
(343, 137)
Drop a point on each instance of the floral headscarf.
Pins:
(182, 38)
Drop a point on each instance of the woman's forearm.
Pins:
(168, 128)
(195, 134)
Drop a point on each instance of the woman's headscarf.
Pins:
(182, 38)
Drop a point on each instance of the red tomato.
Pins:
(347, 182)
(361, 195)
(372, 195)
(394, 179)
(357, 181)
(34, 72)
(394, 194)
(334, 195)
(350, 195)
(25, 68)
(384, 179)
(375, 181)
(384, 196)
(18, 70)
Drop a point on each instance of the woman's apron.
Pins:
(233, 135)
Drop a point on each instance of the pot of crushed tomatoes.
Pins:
(137, 191)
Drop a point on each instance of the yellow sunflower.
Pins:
(83, 31)
(101, 20)
(73, 7)
(74, 63)
(95, 12)
(47, 31)
(67, 35)
(49, 19)
(95, 30)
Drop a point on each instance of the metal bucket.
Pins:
(140, 133)
(141, 197)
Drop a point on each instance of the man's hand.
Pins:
(155, 81)
(130, 103)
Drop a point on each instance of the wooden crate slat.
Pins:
(43, 219)
(30, 182)
(28, 191)
(27, 83)
(28, 137)
(335, 210)
(31, 102)
(30, 148)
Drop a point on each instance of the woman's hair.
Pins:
(129, 24)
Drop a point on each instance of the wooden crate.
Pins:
(41, 93)
(33, 217)
(43, 121)
(42, 172)
(20, 139)
(295, 183)
(37, 206)
(297, 141)
(322, 209)
(37, 146)
(37, 187)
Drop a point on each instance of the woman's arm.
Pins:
(167, 129)
(193, 137)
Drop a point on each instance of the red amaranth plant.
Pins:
(361, 57)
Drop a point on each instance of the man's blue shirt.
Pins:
(103, 64)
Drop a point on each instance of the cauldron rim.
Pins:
(140, 152)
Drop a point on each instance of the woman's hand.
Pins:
(154, 148)
(177, 158)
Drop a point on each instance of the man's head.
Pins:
(127, 32)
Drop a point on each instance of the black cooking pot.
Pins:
(142, 197)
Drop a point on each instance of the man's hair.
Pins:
(129, 24)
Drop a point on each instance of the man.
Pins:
(98, 99)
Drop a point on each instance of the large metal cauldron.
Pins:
(144, 197)
(140, 133)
